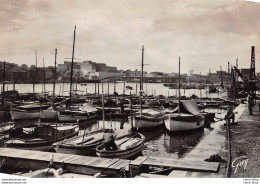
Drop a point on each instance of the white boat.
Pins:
(26, 112)
(188, 119)
(148, 119)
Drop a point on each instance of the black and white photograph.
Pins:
(147, 90)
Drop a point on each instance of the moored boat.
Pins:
(128, 147)
(80, 145)
(23, 114)
(27, 112)
(148, 119)
(48, 114)
(188, 118)
(41, 137)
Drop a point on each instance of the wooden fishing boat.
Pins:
(68, 115)
(27, 112)
(128, 147)
(48, 114)
(85, 112)
(18, 114)
(41, 137)
(80, 145)
(188, 118)
(51, 113)
(148, 119)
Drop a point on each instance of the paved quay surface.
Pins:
(214, 143)
(245, 145)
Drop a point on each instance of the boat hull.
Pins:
(44, 145)
(141, 123)
(71, 118)
(90, 151)
(175, 123)
(17, 115)
(48, 114)
(122, 154)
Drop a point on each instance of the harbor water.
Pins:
(158, 141)
(148, 88)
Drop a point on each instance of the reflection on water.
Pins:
(158, 141)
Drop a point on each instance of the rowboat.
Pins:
(80, 145)
(148, 119)
(42, 137)
(128, 147)
(188, 118)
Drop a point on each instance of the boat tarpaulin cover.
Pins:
(188, 107)
(152, 113)
(88, 107)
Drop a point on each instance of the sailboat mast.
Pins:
(179, 96)
(3, 92)
(141, 86)
(72, 60)
(34, 72)
(142, 68)
(221, 84)
(43, 77)
(54, 77)
(103, 108)
(200, 86)
(13, 81)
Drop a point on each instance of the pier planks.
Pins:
(183, 165)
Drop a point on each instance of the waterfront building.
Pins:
(135, 74)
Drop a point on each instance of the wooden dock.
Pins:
(35, 160)
(141, 164)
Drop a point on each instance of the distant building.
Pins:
(135, 74)
(87, 68)
(197, 78)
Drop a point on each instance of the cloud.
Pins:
(205, 34)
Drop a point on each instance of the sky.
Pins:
(206, 34)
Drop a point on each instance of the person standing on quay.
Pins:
(251, 104)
